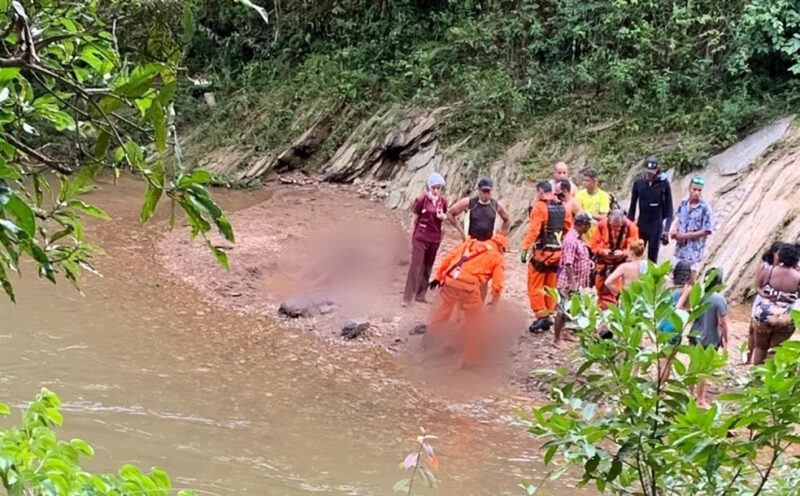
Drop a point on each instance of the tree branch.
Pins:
(44, 159)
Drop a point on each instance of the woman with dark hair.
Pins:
(768, 260)
(778, 292)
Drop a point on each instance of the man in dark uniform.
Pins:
(482, 211)
(653, 195)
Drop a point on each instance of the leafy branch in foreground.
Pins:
(423, 463)
(34, 462)
(635, 432)
(74, 100)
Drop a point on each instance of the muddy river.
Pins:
(150, 373)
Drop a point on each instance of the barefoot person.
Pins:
(711, 327)
(575, 268)
(429, 211)
(461, 274)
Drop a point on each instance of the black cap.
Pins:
(485, 183)
(651, 163)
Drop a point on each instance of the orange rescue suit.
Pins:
(607, 238)
(541, 303)
(462, 272)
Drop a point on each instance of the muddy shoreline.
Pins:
(283, 244)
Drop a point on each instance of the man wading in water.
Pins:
(482, 214)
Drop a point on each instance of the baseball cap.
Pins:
(651, 164)
(698, 181)
(485, 183)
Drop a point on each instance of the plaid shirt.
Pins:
(574, 252)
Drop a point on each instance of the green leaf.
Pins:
(219, 254)
(101, 145)
(82, 180)
(615, 470)
(548, 456)
(23, 213)
(9, 172)
(88, 209)
(187, 22)
(7, 287)
(7, 74)
(153, 193)
(402, 486)
(151, 198)
(197, 176)
(160, 126)
(4, 410)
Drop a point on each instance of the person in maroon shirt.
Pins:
(428, 213)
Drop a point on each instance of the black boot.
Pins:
(541, 325)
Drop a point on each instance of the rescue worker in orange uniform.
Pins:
(610, 245)
(461, 274)
(541, 249)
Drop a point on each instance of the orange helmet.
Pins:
(501, 240)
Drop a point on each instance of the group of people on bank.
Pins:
(580, 239)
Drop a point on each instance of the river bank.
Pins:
(339, 236)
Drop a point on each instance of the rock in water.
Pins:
(354, 328)
(418, 329)
(296, 307)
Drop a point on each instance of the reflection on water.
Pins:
(151, 374)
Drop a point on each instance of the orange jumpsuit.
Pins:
(609, 238)
(461, 286)
(541, 303)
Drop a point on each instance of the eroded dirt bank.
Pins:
(337, 243)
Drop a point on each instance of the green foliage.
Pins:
(625, 78)
(34, 462)
(75, 96)
(632, 430)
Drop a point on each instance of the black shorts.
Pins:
(693, 341)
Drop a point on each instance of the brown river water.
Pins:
(150, 373)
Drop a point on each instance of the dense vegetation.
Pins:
(625, 78)
(634, 431)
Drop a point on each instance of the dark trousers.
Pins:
(652, 239)
(423, 255)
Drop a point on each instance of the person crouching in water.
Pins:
(575, 269)
(461, 274)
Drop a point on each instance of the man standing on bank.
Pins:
(653, 195)
(482, 211)
(694, 223)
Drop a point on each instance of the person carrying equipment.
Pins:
(461, 274)
(610, 246)
(653, 195)
(549, 222)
